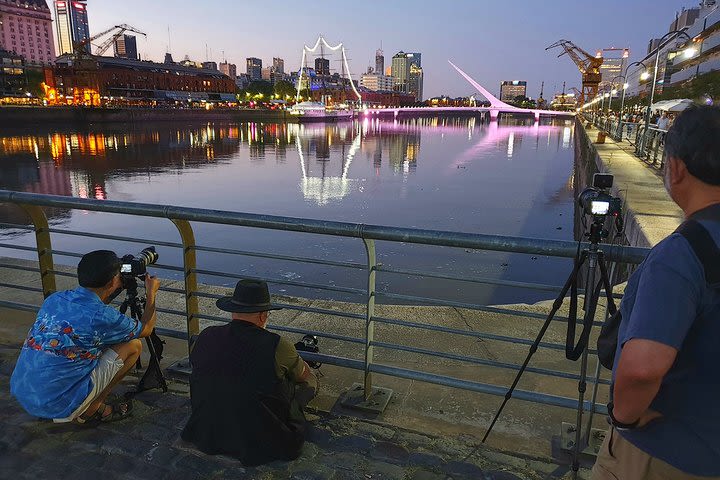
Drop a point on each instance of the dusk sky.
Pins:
(490, 40)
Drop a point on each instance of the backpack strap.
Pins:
(704, 247)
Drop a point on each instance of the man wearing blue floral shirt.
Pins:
(79, 347)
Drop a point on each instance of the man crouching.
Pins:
(248, 385)
(79, 347)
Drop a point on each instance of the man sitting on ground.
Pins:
(79, 347)
(248, 386)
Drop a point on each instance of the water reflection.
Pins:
(439, 173)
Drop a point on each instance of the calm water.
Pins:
(445, 174)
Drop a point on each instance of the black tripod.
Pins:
(153, 376)
(595, 258)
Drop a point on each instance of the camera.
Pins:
(132, 266)
(309, 343)
(596, 200)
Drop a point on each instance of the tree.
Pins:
(260, 87)
(522, 101)
(285, 89)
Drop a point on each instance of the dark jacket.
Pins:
(239, 406)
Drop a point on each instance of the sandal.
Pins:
(120, 409)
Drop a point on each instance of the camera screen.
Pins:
(599, 207)
(126, 268)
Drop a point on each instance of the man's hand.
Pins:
(152, 284)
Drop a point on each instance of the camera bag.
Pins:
(706, 251)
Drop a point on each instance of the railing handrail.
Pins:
(558, 248)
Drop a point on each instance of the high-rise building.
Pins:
(266, 74)
(377, 82)
(126, 47)
(322, 67)
(254, 69)
(278, 65)
(379, 62)
(407, 73)
(72, 24)
(510, 89)
(229, 69)
(26, 30)
(614, 61)
(400, 72)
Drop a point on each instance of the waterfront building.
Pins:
(266, 75)
(278, 65)
(614, 61)
(229, 69)
(26, 30)
(706, 32)
(12, 75)
(208, 65)
(376, 82)
(254, 68)
(322, 67)
(565, 102)
(93, 81)
(379, 62)
(72, 25)
(125, 46)
(406, 78)
(509, 89)
(242, 81)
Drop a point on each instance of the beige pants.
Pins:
(621, 460)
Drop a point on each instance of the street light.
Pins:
(667, 38)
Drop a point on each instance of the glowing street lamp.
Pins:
(661, 44)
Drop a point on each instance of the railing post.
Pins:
(44, 247)
(370, 312)
(189, 266)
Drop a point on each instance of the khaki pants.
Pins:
(621, 460)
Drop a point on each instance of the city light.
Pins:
(689, 52)
(626, 86)
(613, 91)
(644, 76)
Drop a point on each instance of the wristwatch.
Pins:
(617, 424)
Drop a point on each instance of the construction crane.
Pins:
(80, 47)
(588, 65)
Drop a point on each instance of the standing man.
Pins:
(248, 386)
(665, 411)
(79, 347)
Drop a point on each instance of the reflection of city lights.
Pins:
(511, 145)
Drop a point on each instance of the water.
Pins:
(445, 174)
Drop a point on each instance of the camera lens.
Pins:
(148, 256)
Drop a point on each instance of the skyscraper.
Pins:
(254, 69)
(26, 30)
(379, 62)
(72, 24)
(278, 65)
(407, 73)
(126, 47)
(322, 67)
(229, 69)
(614, 60)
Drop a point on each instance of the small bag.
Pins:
(709, 255)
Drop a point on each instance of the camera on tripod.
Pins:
(132, 266)
(597, 201)
(309, 343)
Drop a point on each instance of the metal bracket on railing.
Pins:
(44, 247)
(189, 266)
(366, 397)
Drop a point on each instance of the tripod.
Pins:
(595, 258)
(153, 376)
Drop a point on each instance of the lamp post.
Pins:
(662, 43)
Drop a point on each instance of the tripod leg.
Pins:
(533, 348)
(590, 307)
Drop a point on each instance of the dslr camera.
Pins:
(132, 266)
(309, 343)
(597, 201)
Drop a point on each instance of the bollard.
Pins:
(600, 137)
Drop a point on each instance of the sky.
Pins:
(492, 40)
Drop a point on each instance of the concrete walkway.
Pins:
(651, 213)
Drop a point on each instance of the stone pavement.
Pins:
(147, 446)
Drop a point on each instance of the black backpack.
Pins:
(707, 252)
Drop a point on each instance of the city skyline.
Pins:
(520, 53)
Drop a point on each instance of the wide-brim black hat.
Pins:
(250, 296)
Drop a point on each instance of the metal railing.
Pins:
(648, 142)
(184, 218)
